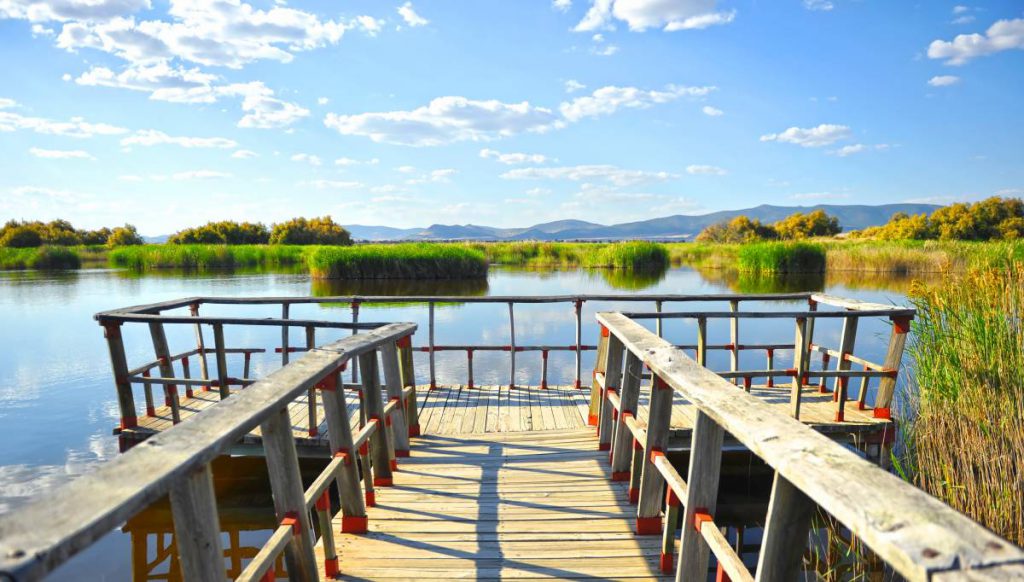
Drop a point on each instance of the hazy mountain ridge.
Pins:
(679, 226)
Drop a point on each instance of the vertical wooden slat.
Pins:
(612, 379)
(846, 343)
(702, 341)
(800, 346)
(119, 365)
(379, 445)
(512, 345)
(785, 533)
(314, 422)
(285, 307)
(659, 325)
(701, 495)
(197, 527)
(595, 388)
(430, 344)
(355, 319)
(339, 434)
(629, 395)
(409, 381)
(734, 338)
(893, 357)
(652, 484)
(222, 360)
(204, 366)
(163, 356)
(289, 497)
(668, 536)
(393, 382)
(579, 342)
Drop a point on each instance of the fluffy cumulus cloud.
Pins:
(74, 127)
(943, 80)
(61, 154)
(446, 120)
(612, 175)
(65, 10)
(608, 100)
(513, 158)
(1001, 36)
(244, 154)
(858, 148)
(561, 5)
(639, 15)
(410, 16)
(812, 137)
(572, 86)
(152, 137)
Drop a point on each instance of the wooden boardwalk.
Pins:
(500, 505)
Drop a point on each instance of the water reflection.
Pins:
(623, 280)
(381, 287)
(740, 282)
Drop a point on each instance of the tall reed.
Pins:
(398, 261)
(781, 257)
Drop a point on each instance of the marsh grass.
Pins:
(963, 412)
(633, 255)
(781, 257)
(167, 256)
(49, 258)
(397, 261)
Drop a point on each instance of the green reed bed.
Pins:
(623, 255)
(781, 257)
(54, 258)
(397, 261)
(918, 257)
(200, 256)
(963, 412)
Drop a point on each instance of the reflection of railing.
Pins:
(916, 534)
(39, 537)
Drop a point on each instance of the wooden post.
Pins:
(323, 516)
(702, 341)
(512, 345)
(393, 382)
(629, 395)
(197, 527)
(800, 346)
(893, 358)
(657, 308)
(379, 446)
(846, 344)
(355, 319)
(785, 533)
(770, 362)
(119, 364)
(409, 381)
(147, 389)
(668, 536)
(339, 433)
(734, 338)
(652, 484)
(595, 388)
(579, 342)
(204, 366)
(469, 367)
(186, 371)
(812, 305)
(612, 380)
(163, 356)
(701, 495)
(430, 344)
(285, 307)
(222, 360)
(314, 422)
(289, 497)
(544, 369)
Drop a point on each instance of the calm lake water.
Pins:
(57, 401)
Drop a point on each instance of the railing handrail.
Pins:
(918, 535)
(37, 538)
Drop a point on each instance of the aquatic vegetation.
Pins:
(397, 261)
(39, 258)
(781, 257)
(187, 256)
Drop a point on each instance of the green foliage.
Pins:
(799, 225)
(182, 256)
(398, 261)
(622, 255)
(781, 257)
(796, 226)
(12, 258)
(96, 237)
(991, 219)
(20, 236)
(636, 256)
(312, 231)
(26, 234)
(226, 232)
(738, 230)
(124, 236)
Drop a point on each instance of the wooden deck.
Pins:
(500, 505)
(451, 410)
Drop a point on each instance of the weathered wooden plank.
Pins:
(196, 527)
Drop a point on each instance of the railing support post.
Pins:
(430, 344)
(119, 364)
(379, 443)
(163, 356)
(785, 533)
(595, 388)
(222, 361)
(197, 527)
(289, 497)
(846, 344)
(578, 306)
(622, 437)
(409, 381)
(204, 366)
(393, 382)
(314, 422)
(800, 346)
(339, 433)
(734, 338)
(701, 495)
(652, 484)
(285, 307)
(355, 319)
(512, 345)
(612, 378)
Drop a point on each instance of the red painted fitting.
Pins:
(364, 449)
(721, 575)
(313, 431)
(404, 342)
(150, 411)
(402, 453)
(636, 445)
(188, 392)
(648, 526)
(269, 575)
(884, 413)
(839, 416)
(701, 515)
(323, 503)
(604, 331)
(901, 324)
(604, 446)
(355, 524)
(791, 372)
(414, 430)
(592, 420)
(655, 453)
(387, 420)
(371, 499)
(665, 564)
(620, 475)
(543, 384)
(129, 422)
(730, 347)
(329, 383)
(634, 495)
(394, 464)
(112, 330)
(615, 415)
(746, 383)
(671, 498)
(331, 567)
(383, 481)
(433, 385)
(577, 384)
(346, 458)
(291, 519)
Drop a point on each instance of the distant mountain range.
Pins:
(677, 227)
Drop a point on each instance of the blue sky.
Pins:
(168, 114)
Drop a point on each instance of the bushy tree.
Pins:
(123, 236)
(18, 235)
(312, 231)
(990, 219)
(799, 225)
(740, 229)
(225, 232)
(95, 237)
(743, 229)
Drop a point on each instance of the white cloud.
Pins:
(813, 137)
(200, 175)
(607, 173)
(819, 5)
(370, 25)
(410, 17)
(704, 169)
(538, 191)
(962, 14)
(960, 9)
(64, 10)
(639, 15)
(40, 30)
(712, 111)
(322, 101)
(354, 162)
(513, 158)
(244, 154)
(446, 120)
(438, 176)
(572, 85)
(61, 154)
(561, 5)
(74, 127)
(943, 80)
(152, 137)
(604, 51)
(406, 169)
(334, 185)
(608, 100)
(1001, 36)
(858, 148)
(307, 158)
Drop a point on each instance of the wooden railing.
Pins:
(917, 535)
(37, 538)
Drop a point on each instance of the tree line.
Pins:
(991, 219)
(796, 226)
(29, 234)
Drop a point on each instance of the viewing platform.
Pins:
(616, 474)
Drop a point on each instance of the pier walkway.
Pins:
(424, 480)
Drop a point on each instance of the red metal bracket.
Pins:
(665, 564)
(648, 526)
(404, 342)
(323, 503)
(129, 422)
(604, 331)
(355, 524)
(343, 454)
(414, 430)
(701, 515)
(671, 498)
(269, 575)
(884, 413)
(620, 475)
(655, 453)
(660, 384)
(292, 519)
(331, 567)
(901, 324)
